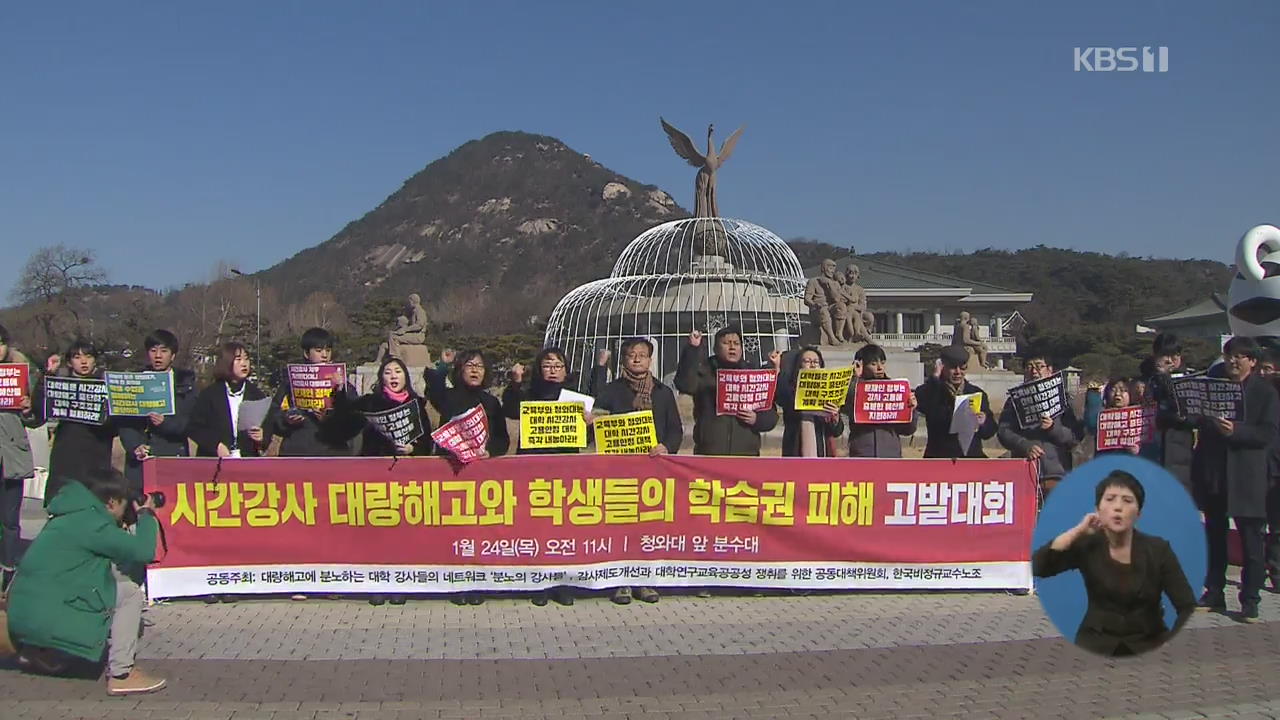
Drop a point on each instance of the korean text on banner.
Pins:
(632, 433)
(311, 386)
(1039, 398)
(552, 424)
(738, 390)
(15, 385)
(140, 393)
(530, 522)
(465, 436)
(81, 400)
(816, 387)
(882, 401)
(1124, 428)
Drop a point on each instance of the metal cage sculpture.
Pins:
(691, 274)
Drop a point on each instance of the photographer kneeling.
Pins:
(64, 601)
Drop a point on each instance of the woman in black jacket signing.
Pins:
(214, 425)
(1126, 573)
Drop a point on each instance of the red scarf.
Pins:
(399, 397)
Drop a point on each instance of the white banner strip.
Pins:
(415, 579)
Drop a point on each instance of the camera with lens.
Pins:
(157, 499)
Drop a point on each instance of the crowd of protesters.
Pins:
(101, 528)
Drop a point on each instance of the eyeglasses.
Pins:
(552, 366)
(1037, 366)
(474, 365)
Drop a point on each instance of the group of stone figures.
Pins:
(838, 307)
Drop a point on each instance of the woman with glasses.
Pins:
(805, 433)
(467, 388)
(550, 374)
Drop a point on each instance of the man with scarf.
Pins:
(937, 403)
(637, 389)
(715, 434)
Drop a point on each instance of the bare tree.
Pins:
(54, 280)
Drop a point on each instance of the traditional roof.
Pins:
(1209, 309)
(879, 275)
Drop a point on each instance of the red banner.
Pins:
(15, 385)
(416, 525)
(465, 436)
(882, 401)
(738, 390)
(1123, 428)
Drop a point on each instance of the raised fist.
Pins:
(695, 338)
(602, 358)
(51, 365)
(775, 359)
(448, 355)
(517, 374)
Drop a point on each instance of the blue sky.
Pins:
(169, 136)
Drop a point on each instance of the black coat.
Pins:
(1117, 615)
(375, 444)
(1174, 443)
(937, 405)
(876, 440)
(825, 430)
(169, 438)
(618, 397)
(716, 434)
(316, 437)
(210, 422)
(1237, 465)
(78, 449)
(451, 402)
(1057, 442)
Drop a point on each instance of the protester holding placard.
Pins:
(550, 376)
(215, 424)
(806, 433)
(399, 425)
(1172, 446)
(876, 440)
(392, 391)
(1116, 396)
(948, 410)
(715, 434)
(16, 464)
(469, 376)
(1048, 442)
(315, 432)
(79, 447)
(1230, 479)
(466, 389)
(156, 435)
(636, 389)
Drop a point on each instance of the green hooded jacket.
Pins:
(64, 594)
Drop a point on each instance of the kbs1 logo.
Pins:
(1123, 59)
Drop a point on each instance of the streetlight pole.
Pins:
(257, 343)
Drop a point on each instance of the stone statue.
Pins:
(408, 341)
(705, 186)
(825, 297)
(858, 320)
(965, 334)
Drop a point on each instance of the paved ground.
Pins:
(821, 656)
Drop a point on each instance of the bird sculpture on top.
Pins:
(705, 185)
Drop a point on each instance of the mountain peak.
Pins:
(495, 231)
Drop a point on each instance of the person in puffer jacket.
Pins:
(696, 375)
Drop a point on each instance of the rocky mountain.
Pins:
(491, 234)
